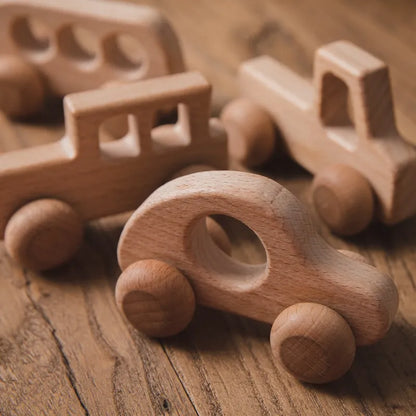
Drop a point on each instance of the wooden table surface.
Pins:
(64, 348)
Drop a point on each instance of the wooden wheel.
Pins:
(43, 234)
(312, 342)
(21, 89)
(250, 130)
(155, 297)
(343, 199)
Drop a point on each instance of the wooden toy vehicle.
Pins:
(49, 190)
(342, 129)
(321, 302)
(40, 48)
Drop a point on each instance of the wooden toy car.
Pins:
(342, 129)
(320, 301)
(40, 48)
(47, 191)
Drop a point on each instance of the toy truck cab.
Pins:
(342, 129)
(50, 55)
(169, 262)
(94, 179)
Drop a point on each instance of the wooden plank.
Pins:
(64, 348)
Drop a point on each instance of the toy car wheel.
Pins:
(155, 297)
(21, 88)
(215, 230)
(312, 342)
(43, 234)
(250, 130)
(343, 199)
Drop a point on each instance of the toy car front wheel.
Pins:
(312, 342)
(43, 234)
(155, 297)
(250, 130)
(343, 199)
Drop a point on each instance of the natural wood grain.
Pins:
(300, 267)
(222, 360)
(99, 179)
(345, 118)
(41, 39)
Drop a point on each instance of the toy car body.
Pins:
(344, 118)
(102, 179)
(300, 267)
(57, 57)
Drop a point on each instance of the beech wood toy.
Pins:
(36, 58)
(341, 128)
(321, 302)
(49, 190)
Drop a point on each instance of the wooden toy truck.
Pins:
(341, 128)
(35, 58)
(321, 302)
(49, 190)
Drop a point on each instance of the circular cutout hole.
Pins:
(30, 34)
(125, 52)
(246, 246)
(247, 263)
(78, 43)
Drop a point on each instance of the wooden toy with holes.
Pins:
(341, 128)
(321, 302)
(61, 47)
(49, 190)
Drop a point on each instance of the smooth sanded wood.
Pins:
(66, 65)
(223, 360)
(346, 117)
(300, 266)
(98, 179)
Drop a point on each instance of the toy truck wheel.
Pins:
(215, 230)
(313, 343)
(43, 234)
(343, 199)
(21, 88)
(250, 130)
(156, 298)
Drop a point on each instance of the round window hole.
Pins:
(78, 43)
(125, 52)
(246, 247)
(30, 34)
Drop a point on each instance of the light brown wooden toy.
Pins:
(341, 128)
(321, 302)
(67, 46)
(49, 190)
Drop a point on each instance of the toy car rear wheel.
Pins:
(312, 342)
(155, 297)
(250, 130)
(43, 234)
(343, 199)
(22, 92)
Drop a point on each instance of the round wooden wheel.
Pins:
(251, 136)
(43, 234)
(343, 199)
(155, 297)
(312, 342)
(21, 88)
